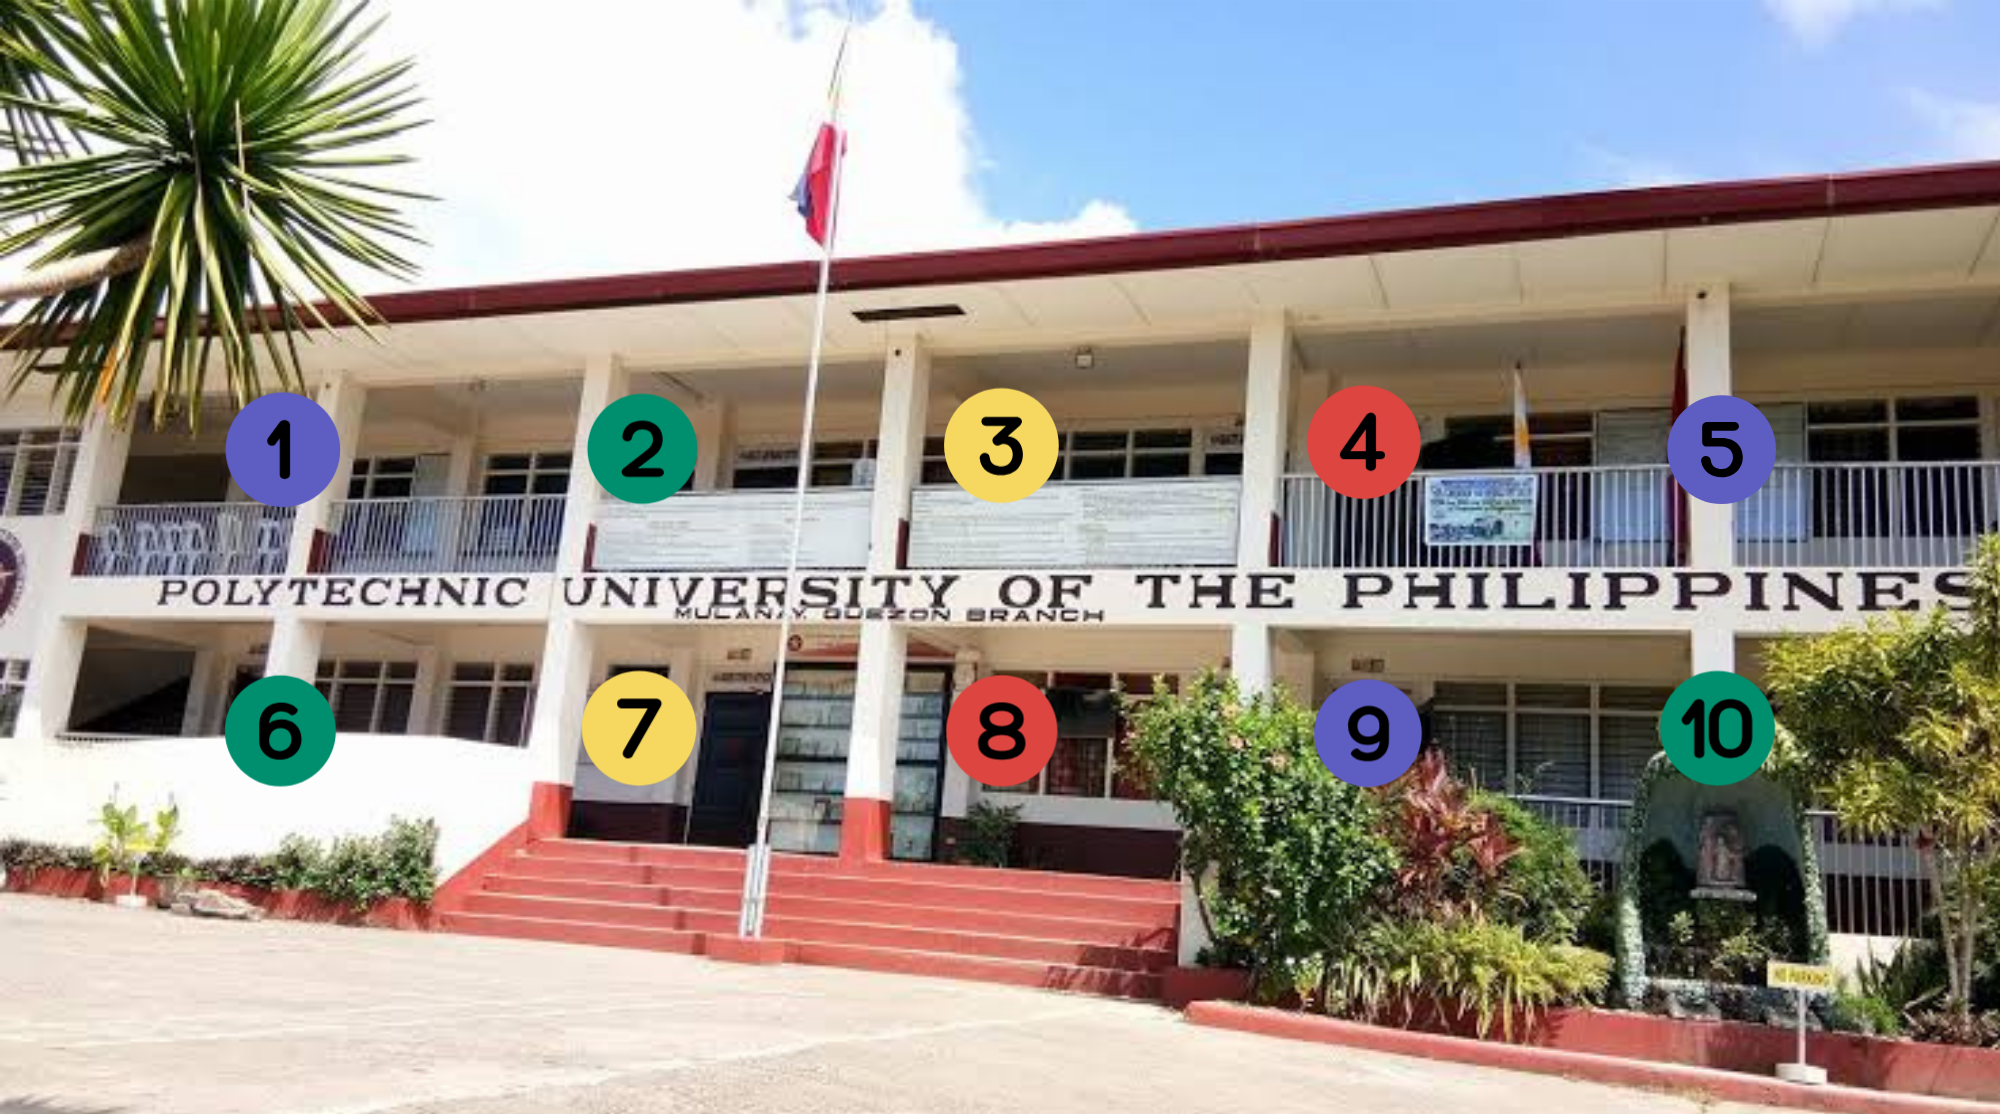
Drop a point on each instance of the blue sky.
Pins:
(1195, 112)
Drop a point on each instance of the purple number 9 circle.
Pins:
(1721, 449)
(1368, 733)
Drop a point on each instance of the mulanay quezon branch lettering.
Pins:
(1097, 597)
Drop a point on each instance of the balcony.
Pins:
(189, 539)
(481, 533)
(1612, 516)
(732, 530)
(1893, 515)
(1183, 522)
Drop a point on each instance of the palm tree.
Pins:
(193, 178)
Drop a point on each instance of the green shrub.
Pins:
(409, 859)
(1543, 888)
(987, 838)
(296, 863)
(1287, 858)
(1477, 971)
(1864, 1014)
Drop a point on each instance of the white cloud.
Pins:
(1968, 130)
(605, 136)
(1815, 23)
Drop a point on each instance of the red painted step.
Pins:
(630, 914)
(574, 932)
(1087, 980)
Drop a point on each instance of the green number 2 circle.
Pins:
(642, 448)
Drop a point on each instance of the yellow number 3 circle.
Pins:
(1001, 445)
(638, 728)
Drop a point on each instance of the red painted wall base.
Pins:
(864, 830)
(756, 951)
(548, 810)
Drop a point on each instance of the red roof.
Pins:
(1491, 222)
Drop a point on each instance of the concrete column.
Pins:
(956, 795)
(1266, 433)
(95, 477)
(1711, 648)
(604, 382)
(344, 400)
(563, 683)
(205, 688)
(45, 706)
(1711, 526)
(899, 452)
(295, 647)
(715, 438)
(429, 686)
(871, 748)
(1251, 657)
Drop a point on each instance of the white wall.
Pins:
(476, 793)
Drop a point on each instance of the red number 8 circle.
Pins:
(1364, 442)
(1001, 731)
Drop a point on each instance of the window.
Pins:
(1092, 757)
(369, 697)
(1923, 502)
(489, 702)
(13, 682)
(35, 469)
(1555, 440)
(1555, 740)
(527, 474)
(835, 464)
(383, 477)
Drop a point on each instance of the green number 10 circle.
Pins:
(1718, 728)
(279, 731)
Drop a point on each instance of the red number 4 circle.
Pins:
(1364, 442)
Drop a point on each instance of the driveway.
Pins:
(105, 1010)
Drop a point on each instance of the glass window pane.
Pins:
(1964, 407)
(1552, 696)
(1552, 755)
(758, 478)
(1624, 745)
(403, 670)
(1543, 424)
(465, 714)
(1098, 441)
(1097, 468)
(366, 669)
(837, 450)
(472, 671)
(1222, 464)
(1163, 439)
(1634, 698)
(395, 715)
(1839, 445)
(517, 673)
(1937, 442)
(549, 462)
(551, 483)
(1162, 464)
(512, 462)
(933, 446)
(1472, 693)
(354, 709)
(1848, 411)
(936, 472)
(506, 484)
(510, 717)
(1077, 769)
(1475, 743)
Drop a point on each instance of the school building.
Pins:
(464, 584)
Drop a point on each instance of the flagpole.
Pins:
(757, 871)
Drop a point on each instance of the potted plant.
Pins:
(171, 874)
(125, 841)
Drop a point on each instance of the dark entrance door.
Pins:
(730, 772)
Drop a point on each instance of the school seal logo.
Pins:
(13, 573)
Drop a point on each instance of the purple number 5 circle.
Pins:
(1721, 449)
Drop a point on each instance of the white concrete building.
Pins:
(463, 585)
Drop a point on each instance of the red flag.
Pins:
(814, 193)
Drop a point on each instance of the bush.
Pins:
(1477, 971)
(987, 839)
(1288, 859)
(296, 863)
(1865, 1014)
(1543, 888)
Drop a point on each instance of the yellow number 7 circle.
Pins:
(638, 728)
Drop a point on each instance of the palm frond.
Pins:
(233, 140)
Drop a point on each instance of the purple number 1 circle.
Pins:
(282, 449)
(1721, 449)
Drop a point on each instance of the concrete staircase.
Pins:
(1096, 935)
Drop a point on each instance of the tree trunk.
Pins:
(68, 274)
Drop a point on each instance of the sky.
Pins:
(608, 136)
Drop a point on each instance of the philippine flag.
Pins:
(814, 193)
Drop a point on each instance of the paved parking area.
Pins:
(107, 1011)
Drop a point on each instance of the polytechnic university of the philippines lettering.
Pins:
(1748, 599)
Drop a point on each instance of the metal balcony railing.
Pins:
(1612, 515)
(189, 539)
(1900, 514)
(480, 533)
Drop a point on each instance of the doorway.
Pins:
(729, 775)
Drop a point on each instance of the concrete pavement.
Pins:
(105, 1010)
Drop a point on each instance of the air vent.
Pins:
(908, 313)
